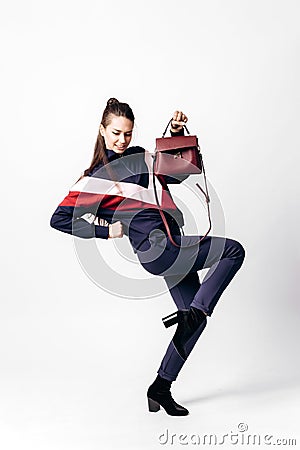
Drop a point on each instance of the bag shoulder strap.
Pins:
(165, 186)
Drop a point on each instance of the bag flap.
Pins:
(176, 142)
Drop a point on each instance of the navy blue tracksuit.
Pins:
(130, 199)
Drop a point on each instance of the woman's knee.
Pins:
(241, 251)
(235, 250)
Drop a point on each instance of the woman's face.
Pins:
(118, 133)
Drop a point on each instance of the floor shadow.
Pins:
(250, 388)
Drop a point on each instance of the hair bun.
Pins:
(112, 101)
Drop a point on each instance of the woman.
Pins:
(116, 188)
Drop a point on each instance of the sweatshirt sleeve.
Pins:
(68, 219)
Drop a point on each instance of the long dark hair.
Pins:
(116, 108)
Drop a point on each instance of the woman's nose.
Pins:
(122, 138)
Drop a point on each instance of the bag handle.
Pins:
(165, 186)
(164, 133)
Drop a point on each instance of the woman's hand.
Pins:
(115, 230)
(179, 119)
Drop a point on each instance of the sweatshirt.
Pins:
(121, 192)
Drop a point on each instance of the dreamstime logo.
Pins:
(112, 264)
(239, 437)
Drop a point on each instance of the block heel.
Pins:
(170, 320)
(153, 405)
(188, 322)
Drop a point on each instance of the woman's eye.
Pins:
(126, 134)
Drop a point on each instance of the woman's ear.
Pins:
(101, 129)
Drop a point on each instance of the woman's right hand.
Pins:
(178, 120)
(115, 230)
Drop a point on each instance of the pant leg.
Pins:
(189, 292)
(222, 256)
(183, 294)
(222, 270)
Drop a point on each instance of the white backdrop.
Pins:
(75, 360)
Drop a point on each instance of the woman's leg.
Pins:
(221, 272)
(224, 257)
(183, 294)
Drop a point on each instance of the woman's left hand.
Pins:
(179, 119)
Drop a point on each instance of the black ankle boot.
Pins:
(159, 395)
(188, 322)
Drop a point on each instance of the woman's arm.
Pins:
(70, 219)
(65, 219)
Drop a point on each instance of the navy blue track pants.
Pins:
(179, 267)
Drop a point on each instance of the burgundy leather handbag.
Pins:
(178, 155)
